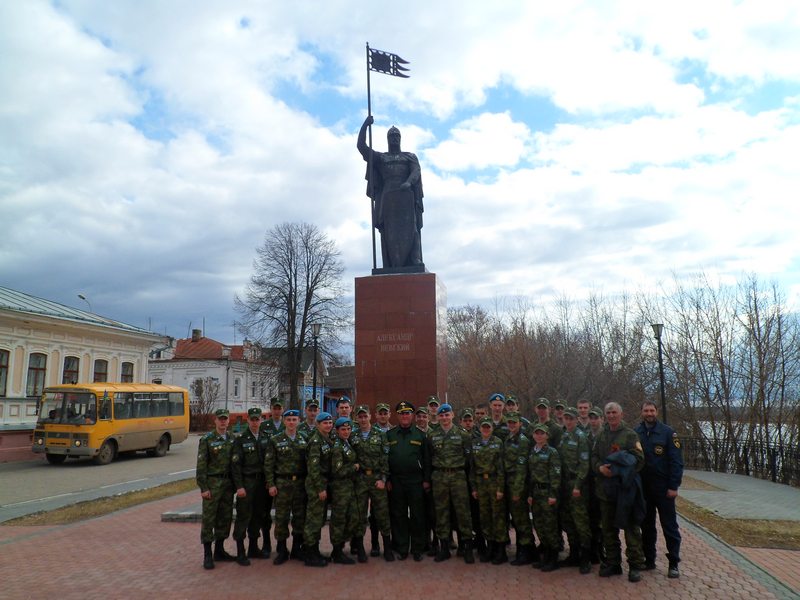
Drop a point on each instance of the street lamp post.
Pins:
(315, 328)
(658, 329)
(226, 353)
(89, 304)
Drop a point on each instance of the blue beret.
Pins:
(444, 408)
(343, 421)
(343, 399)
(292, 412)
(324, 416)
(494, 397)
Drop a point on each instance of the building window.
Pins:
(71, 364)
(236, 383)
(37, 369)
(253, 387)
(100, 371)
(4, 354)
(127, 373)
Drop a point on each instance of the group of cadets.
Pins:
(414, 484)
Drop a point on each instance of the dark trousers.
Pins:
(657, 501)
(407, 515)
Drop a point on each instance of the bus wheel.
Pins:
(56, 459)
(106, 454)
(161, 448)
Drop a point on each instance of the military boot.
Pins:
(313, 558)
(434, 549)
(253, 551)
(353, 546)
(282, 553)
(573, 559)
(486, 552)
(585, 565)
(388, 555)
(361, 551)
(220, 554)
(266, 550)
(468, 556)
(536, 556)
(297, 548)
(339, 557)
(523, 556)
(241, 554)
(375, 549)
(500, 555)
(444, 550)
(549, 560)
(459, 546)
(208, 557)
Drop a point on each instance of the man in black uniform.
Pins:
(661, 478)
(409, 478)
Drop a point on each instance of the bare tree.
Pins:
(205, 393)
(296, 281)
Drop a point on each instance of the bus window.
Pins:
(105, 407)
(68, 407)
(123, 405)
(160, 406)
(141, 405)
(175, 404)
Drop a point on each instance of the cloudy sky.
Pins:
(569, 147)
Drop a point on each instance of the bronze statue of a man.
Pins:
(395, 184)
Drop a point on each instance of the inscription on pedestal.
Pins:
(395, 341)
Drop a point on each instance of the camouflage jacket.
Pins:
(268, 426)
(544, 471)
(319, 462)
(213, 459)
(487, 463)
(247, 460)
(516, 449)
(343, 461)
(449, 449)
(284, 457)
(306, 430)
(372, 451)
(574, 452)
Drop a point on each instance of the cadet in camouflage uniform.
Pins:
(409, 479)
(488, 479)
(544, 474)
(214, 480)
(595, 427)
(247, 469)
(516, 450)
(450, 448)
(372, 450)
(274, 424)
(285, 475)
(344, 507)
(617, 437)
(309, 424)
(574, 451)
(433, 408)
(512, 406)
(497, 402)
(319, 473)
(554, 430)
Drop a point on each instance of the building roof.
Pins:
(205, 348)
(20, 302)
(341, 378)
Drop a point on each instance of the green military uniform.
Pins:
(516, 450)
(344, 507)
(450, 455)
(247, 468)
(306, 430)
(285, 469)
(409, 467)
(372, 449)
(319, 474)
(544, 475)
(269, 427)
(608, 442)
(214, 474)
(487, 476)
(574, 452)
(554, 432)
(592, 500)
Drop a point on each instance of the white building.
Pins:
(46, 343)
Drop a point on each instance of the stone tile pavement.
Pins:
(131, 554)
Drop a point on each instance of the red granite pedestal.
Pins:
(401, 346)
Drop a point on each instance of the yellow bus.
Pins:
(100, 420)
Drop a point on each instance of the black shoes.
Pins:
(610, 570)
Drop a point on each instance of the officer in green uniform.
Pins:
(488, 484)
(285, 475)
(574, 451)
(214, 480)
(544, 475)
(554, 430)
(344, 507)
(450, 448)
(614, 438)
(372, 450)
(318, 453)
(409, 477)
(516, 449)
(247, 468)
(274, 424)
(309, 424)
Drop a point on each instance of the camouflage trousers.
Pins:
(217, 510)
(316, 510)
(290, 503)
(545, 519)
(451, 486)
(250, 509)
(492, 511)
(575, 518)
(634, 551)
(345, 523)
(520, 517)
(367, 494)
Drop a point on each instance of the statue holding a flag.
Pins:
(394, 184)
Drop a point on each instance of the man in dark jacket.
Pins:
(661, 478)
